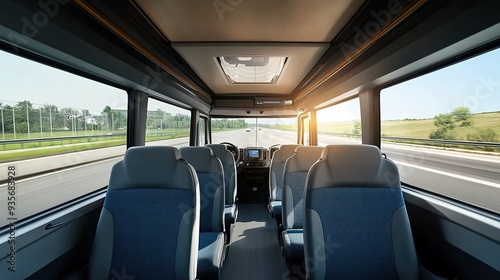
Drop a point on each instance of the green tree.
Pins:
(7, 119)
(25, 116)
(462, 115)
(483, 135)
(442, 133)
(113, 119)
(445, 123)
(357, 127)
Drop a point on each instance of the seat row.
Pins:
(166, 215)
(343, 213)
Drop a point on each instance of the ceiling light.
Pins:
(252, 69)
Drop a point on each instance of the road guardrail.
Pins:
(70, 138)
(421, 140)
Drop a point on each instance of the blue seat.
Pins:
(355, 220)
(294, 179)
(276, 178)
(149, 224)
(227, 159)
(211, 178)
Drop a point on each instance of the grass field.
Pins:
(337, 127)
(57, 150)
(70, 146)
(421, 128)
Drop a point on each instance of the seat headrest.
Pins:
(201, 158)
(152, 167)
(303, 158)
(284, 152)
(221, 151)
(353, 165)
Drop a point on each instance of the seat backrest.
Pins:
(276, 170)
(294, 179)
(227, 159)
(355, 220)
(211, 178)
(151, 213)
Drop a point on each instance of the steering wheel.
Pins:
(234, 150)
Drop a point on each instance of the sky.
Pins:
(22, 79)
(474, 83)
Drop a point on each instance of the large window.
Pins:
(340, 124)
(167, 124)
(254, 132)
(442, 129)
(56, 128)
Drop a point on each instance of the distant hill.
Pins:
(421, 128)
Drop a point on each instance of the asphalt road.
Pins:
(45, 191)
(473, 178)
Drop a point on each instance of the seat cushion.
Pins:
(293, 245)
(210, 252)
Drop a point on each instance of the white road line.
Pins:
(473, 180)
(466, 154)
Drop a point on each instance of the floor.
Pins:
(254, 252)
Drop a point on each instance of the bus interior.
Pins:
(237, 139)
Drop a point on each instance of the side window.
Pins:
(442, 130)
(340, 124)
(167, 124)
(56, 127)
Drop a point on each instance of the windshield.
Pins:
(254, 132)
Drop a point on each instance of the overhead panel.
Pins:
(250, 21)
(257, 47)
(252, 69)
(205, 60)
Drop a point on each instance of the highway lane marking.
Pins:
(448, 153)
(66, 154)
(60, 171)
(473, 180)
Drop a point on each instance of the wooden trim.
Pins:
(124, 36)
(394, 23)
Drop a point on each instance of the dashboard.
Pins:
(254, 157)
(252, 172)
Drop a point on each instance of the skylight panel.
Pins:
(252, 69)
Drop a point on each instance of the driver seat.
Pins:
(229, 166)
